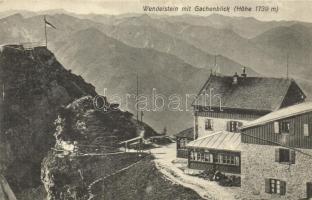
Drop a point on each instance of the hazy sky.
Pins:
(288, 10)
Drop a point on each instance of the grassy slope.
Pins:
(38, 193)
(142, 181)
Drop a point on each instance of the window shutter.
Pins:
(292, 157)
(211, 158)
(237, 160)
(267, 186)
(309, 189)
(228, 126)
(206, 124)
(211, 122)
(277, 155)
(291, 128)
(276, 127)
(283, 187)
(305, 129)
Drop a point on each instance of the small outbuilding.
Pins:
(182, 139)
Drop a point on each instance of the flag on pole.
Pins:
(48, 23)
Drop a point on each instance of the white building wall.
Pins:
(219, 124)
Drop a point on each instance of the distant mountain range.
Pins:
(109, 63)
(174, 54)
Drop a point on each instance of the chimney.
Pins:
(235, 79)
(244, 75)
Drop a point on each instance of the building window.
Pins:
(285, 127)
(183, 142)
(285, 155)
(218, 158)
(208, 157)
(306, 129)
(227, 159)
(275, 186)
(201, 156)
(208, 124)
(233, 126)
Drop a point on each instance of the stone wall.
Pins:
(258, 163)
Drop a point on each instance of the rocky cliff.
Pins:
(34, 85)
(66, 173)
(43, 107)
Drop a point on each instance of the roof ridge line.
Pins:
(278, 118)
(284, 96)
(200, 91)
(215, 133)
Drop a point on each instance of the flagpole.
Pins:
(45, 32)
(3, 92)
(2, 109)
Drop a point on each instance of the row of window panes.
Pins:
(201, 156)
(219, 158)
(227, 159)
(276, 186)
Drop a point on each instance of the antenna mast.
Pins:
(1, 109)
(142, 116)
(287, 66)
(215, 64)
(45, 31)
(137, 97)
(215, 60)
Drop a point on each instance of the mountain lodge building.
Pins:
(223, 105)
(277, 155)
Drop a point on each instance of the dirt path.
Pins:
(6, 192)
(206, 189)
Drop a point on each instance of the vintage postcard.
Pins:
(155, 99)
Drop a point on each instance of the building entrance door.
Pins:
(309, 190)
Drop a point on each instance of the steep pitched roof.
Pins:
(188, 133)
(221, 140)
(252, 93)
(281, 114)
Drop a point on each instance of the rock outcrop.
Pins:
(34, 85)
(96, 134)
(44, 106)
